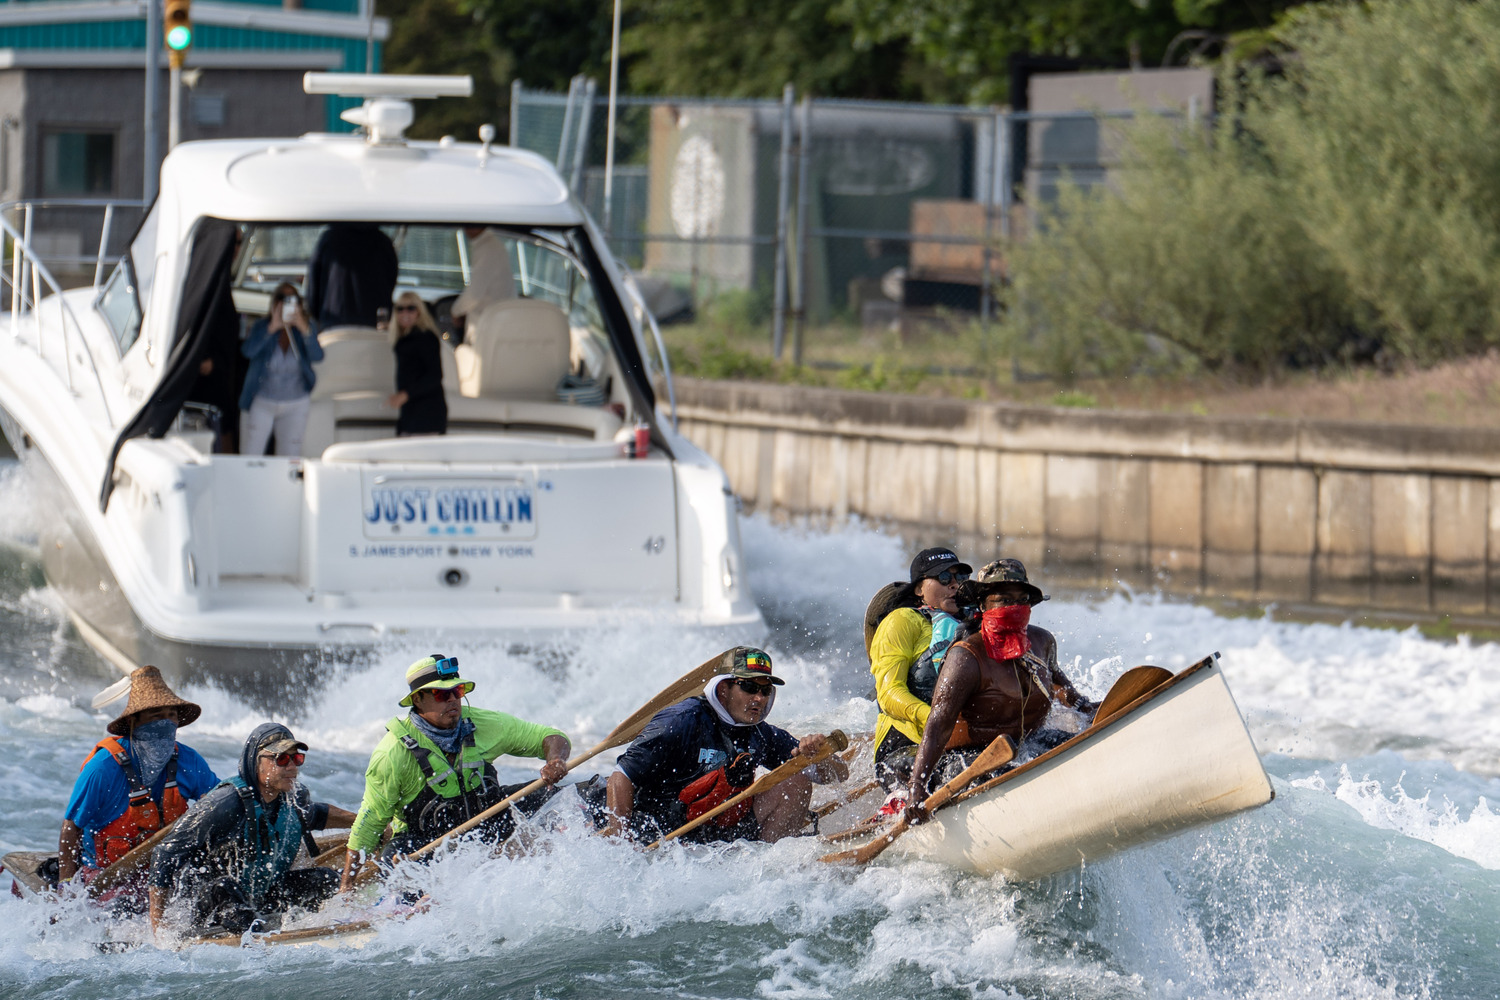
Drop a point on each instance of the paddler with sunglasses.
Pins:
(433, 769)
(907, 650)
(228, 862)
(1002, 680)
(698, 753)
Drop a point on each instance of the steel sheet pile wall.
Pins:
(1353, 515)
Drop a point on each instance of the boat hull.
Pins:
(266, 672)
(1177, 758)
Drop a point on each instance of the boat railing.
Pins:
(116, 218)
(34, 291)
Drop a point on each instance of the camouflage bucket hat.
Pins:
(1007, 572)
(748, 663)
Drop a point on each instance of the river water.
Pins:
(1374, 873)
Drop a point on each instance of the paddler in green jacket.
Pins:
(432, 770)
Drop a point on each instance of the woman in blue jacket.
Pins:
(277, 394)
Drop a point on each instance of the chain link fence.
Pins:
(876, 215)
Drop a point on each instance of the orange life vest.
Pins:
(710, 790)
(142, 817)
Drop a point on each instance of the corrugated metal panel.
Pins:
(84, 35)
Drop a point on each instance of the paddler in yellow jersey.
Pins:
(906, 653)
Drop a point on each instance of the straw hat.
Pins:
(148, 690)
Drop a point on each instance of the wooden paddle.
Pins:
(833, 743)
(333, 857)
(829, 808)
(688, 685)
(995, 755)
(1132, 684)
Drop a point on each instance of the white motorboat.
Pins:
(1177, 757)
(541, 510)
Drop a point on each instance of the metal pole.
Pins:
(1003, 164)
(174, 108)
(609, 128)
(562, 140)
(152, 99)
(804, 223)
(986, 306)
(109, 218)
(369, 36)
(783, 204)
(581, 140)
(515, 113)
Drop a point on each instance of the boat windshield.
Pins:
(448, 266)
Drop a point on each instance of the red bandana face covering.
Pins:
(1004, 631)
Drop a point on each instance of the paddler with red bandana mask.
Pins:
(1002, 680)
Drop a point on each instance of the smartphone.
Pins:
(288, 310)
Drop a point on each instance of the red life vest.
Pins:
(710, 790)
(142, 817)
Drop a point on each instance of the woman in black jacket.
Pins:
(419, 370)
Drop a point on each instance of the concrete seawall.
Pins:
(1354, 515)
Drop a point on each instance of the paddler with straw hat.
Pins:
(133, 782)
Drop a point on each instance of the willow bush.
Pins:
(1351, 200)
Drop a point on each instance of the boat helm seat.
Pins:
(355, 359)
(515, 349)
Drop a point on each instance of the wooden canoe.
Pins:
(1176, 757)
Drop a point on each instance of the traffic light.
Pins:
(177, 27)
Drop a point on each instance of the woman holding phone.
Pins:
(282, 348)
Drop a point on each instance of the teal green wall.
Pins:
(331, 6)
(132, 35)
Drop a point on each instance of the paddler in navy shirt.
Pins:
(699, 752)
(132, 783)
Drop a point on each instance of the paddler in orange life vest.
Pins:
(698, 753)
(1002, 680)
(134, 781)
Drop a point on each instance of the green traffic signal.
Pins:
(180, 37)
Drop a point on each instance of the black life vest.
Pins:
(444, 803)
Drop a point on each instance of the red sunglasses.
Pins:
(284, 759)
(446, 694)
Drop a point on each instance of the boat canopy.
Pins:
(330, 178)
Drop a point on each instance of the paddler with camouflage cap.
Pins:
(433, 769)
(1002, 680)
(698, 753)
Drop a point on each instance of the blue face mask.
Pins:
(151, 745)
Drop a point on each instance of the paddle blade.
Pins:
(1132, 684)
(688, 685)
(114, 692)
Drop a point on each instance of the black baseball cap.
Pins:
(930, 562)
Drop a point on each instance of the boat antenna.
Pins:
(386, 113)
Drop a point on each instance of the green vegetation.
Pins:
(1343, 210)
(950, 51)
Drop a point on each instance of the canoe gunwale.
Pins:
(1092, 731)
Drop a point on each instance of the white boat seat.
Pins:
(354, 358)
(515, 349)
(473, 448)
(363, 416)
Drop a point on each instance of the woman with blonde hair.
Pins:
(419, 370)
